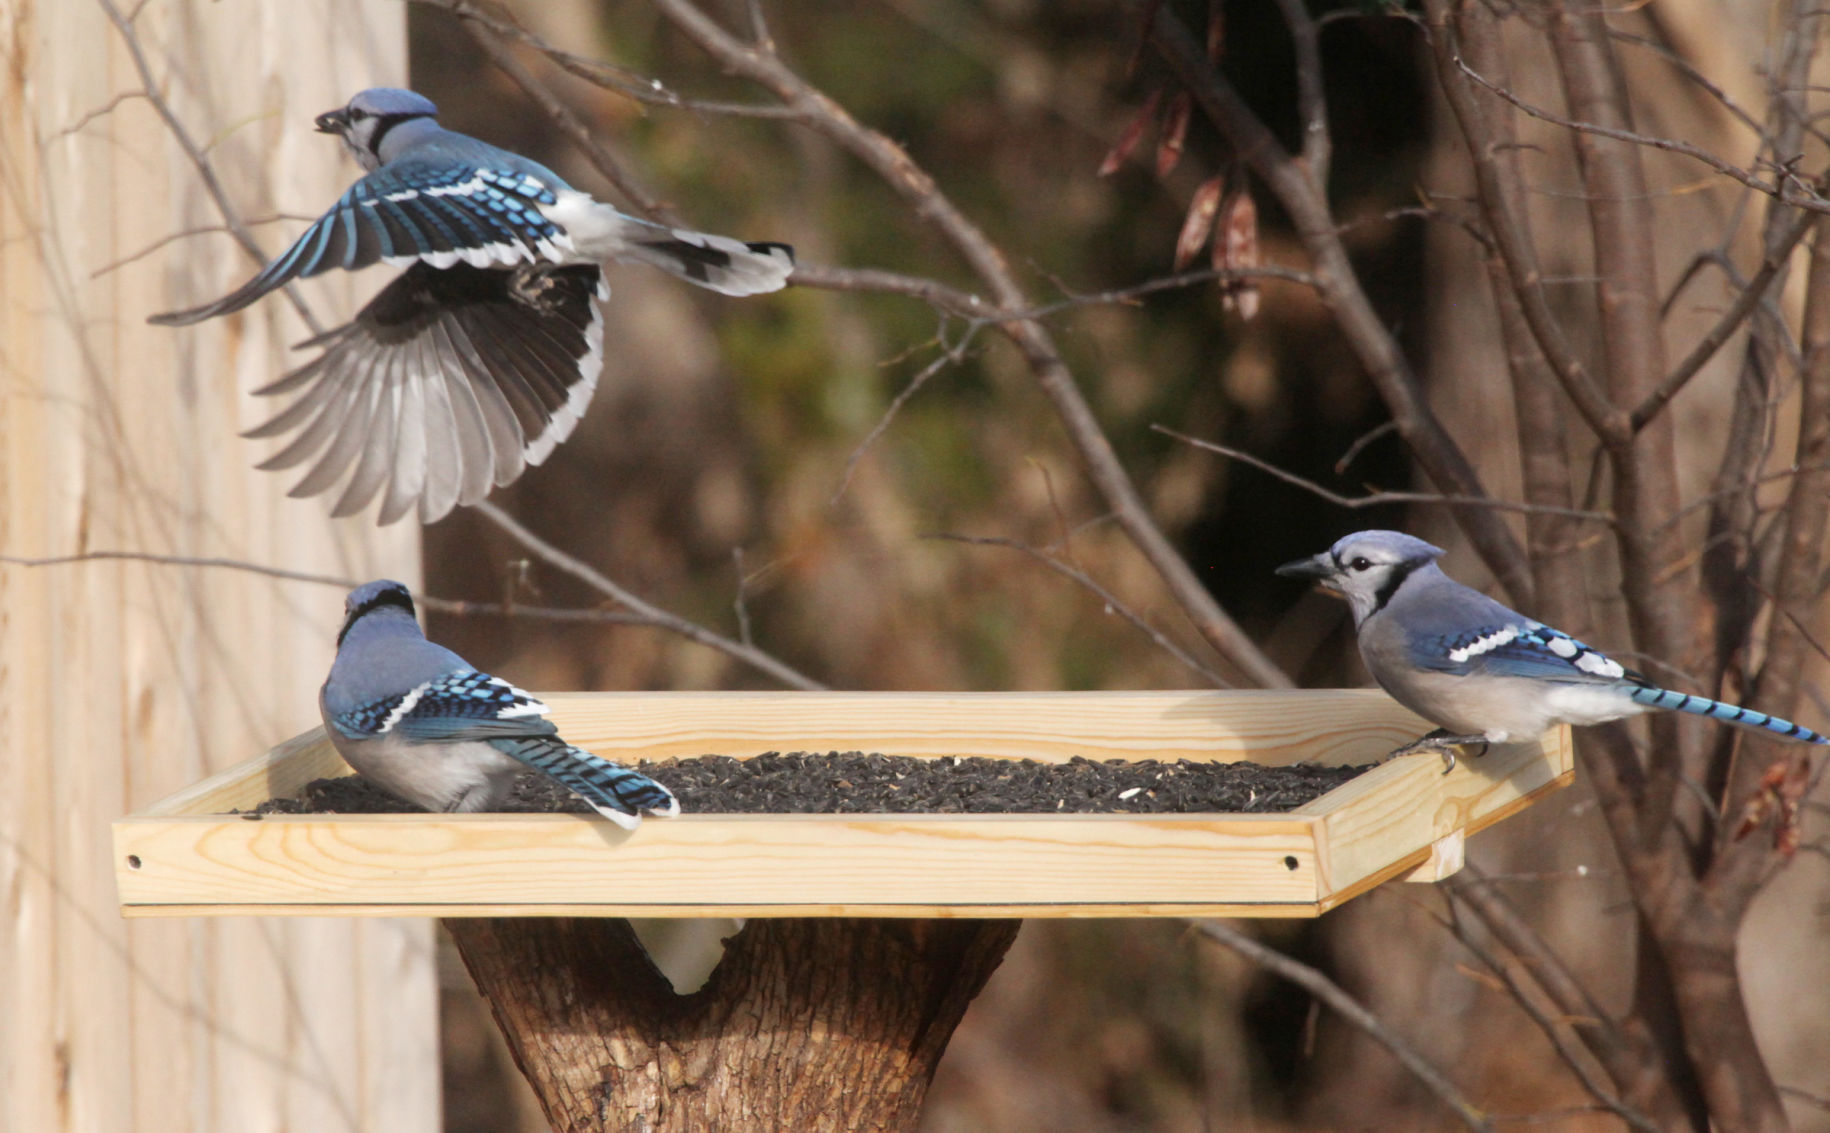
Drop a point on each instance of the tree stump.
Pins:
(828, 1023)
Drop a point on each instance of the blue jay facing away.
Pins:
(1482, 672)
(412, 717)
(480, 358)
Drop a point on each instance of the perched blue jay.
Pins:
(1482, 672)
(480, 358)
(412, 717)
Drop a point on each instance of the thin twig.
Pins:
(1376, 498)
(653, 615)
(637, 87)
(183, 560)
(1752, 294)
(205, 171)
(459, 607)
(1074, 574)
(1624, 1049)
(599, 155)
(951, 354)
(1783, 192)
(1697, 78)
(202, 230)
(1359, 445)
(1816, 1101)
(1355, 1012)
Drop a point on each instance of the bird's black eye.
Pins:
(357, 114)
(1360, 562)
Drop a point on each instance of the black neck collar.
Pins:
(386, 123)
(389, 597)
(1399, 573)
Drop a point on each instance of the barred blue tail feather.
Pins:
(1727, 713)
(614, 791)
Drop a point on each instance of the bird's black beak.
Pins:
(1317, 567)
(333, 121)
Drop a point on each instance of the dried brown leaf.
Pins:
(1777, 798)
(1169, 146)
(1198, 225)
(1236, 249)
(1133, 133)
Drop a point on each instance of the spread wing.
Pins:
(409, 211)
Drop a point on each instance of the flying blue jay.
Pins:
(1482, 672)
(412, 717)
(480, 358)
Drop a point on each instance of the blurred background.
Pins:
(722, 468)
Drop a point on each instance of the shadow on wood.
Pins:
(829, 1023)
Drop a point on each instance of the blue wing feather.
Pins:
(461, 705)
(1520, 649)
(433, 209)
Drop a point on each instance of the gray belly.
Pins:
(1500, 708)
(439, 777)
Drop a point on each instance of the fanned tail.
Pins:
(614, 791)
(1727, 713)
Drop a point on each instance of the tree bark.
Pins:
(807, 1023)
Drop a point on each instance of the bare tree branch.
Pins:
(1436, 452)
(1752, 294)
(891, 162)
(483, 32)
(1622, 1047)
(1790, 188)
(1557, 1029)
(1505, 223)
(1318, 145)
(1355, 1012)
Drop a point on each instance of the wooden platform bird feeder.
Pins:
(187, 856)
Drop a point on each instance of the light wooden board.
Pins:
(121, 681)
(183, 857)
(1335, 727)
(1418, 805)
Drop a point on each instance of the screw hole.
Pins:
(133, 861)
(1290, 861)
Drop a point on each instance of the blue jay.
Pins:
(480, 358)
(412, 717)
(1482, 672)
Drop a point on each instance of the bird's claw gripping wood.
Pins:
(1443, 741)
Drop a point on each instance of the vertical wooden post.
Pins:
(121, 681)
(807, 1024)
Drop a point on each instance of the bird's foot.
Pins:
(530, 284)
(1444, 741)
